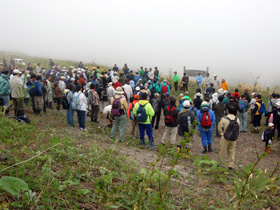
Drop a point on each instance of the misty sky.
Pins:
(237, 39)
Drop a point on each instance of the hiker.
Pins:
(206, 119)
(185, 81)
(5, 91)
(110, 92)
(69, 112)
(199, 81)
(198, 90)
(276, 119)
(165, 101)
(192, 108)
(180, 102)
(185, 119)
(267, 137)
(154, 88)
(79, 104)
(243, 106)
(156, 104)
(44, 91)
(186, 96)
(37, 93)
(246, 93)
(170, 118)
(49, 92)
(17, 93)
(197, 101)
(208, 81)
(224, 85)
(213, 101)
(219, 111)
(119, 107)
(128, 90)
(164, 88)
(29, 68)
(58, 93)
(216, 82)
(236, 96)
(271, 106)
(102, 93)
(257, 111)
(175, 80)
(93, 101)
(115, 68)
(151, 73)
(233, 103)
(229, 131)
(156, 73)
(136, 77)
(252, 105)
(132, 117)
(141, 71)
(144, 112)
(30, 84)
(226, 97)
(61, 83)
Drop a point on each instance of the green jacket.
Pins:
(5, 88)
(176, 78)
(141, 72)
(149, 110)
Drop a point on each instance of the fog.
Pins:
(237, 39)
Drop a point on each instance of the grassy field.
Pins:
(53, 166)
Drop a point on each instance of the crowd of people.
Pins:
(139, 96)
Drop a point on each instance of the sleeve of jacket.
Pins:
(129, 109)
(40, 89)
(198, 117)
(135, 108)
(221, 127)
(150, 110)
(4, 87)
(213, 118)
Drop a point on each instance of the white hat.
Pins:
(137, 88)
(83, 70)
(215, 75)
(71, 67)
(221, 90)
(72, 79)
(278, 104)
(119, 90)
(204, 104)
(198, 95)
(165, 80)
(110, 83)
(16, 71)
(53, 67)
(186, 104)
(63, 77)
(79, 71)
(270, 124)
(28, 75)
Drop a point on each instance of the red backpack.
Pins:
(169, 119)
(206, 120)
(164, 89)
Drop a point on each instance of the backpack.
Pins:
(169, 119)
(103, 95)
(241, 106)
(236, 99)
(206, 120)
(116, 106)
(76, 102)
(91, 99)
(164, 89)
(131, 115)
(141, 114)
(262, 109)
(232, 130)
(185, 123)
(153, 91)
(65, 104)
(214, 104)
(155, 105)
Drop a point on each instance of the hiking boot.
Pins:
(210, 149)
(188, 152)
(151, 142)
(96, 121)
(204, 149)
(151, 147)
(267, 149)
(142, 142)
(179, 149)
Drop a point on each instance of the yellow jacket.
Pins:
(224, 85)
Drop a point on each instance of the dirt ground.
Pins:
(248, 144)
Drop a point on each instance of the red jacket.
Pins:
(117, 84)
(236, 94)
(130, 107)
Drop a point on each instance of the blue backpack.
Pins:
(262, 109)
(141, 113)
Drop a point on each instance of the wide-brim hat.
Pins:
(119, 90)
(278, 104)
(270, 124)
(16, 71)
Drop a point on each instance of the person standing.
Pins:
(81, 106)
(199, 81)
(224, 85)
(131, 116)
(29, 68)
(219, 110)
(17, 93)
(144, 112)
(156, 73)
(267, 137)
(252, 105)
(110, 92)
(175, 80)
(69, 112)
(119, 107)
(5, 90)
(156, 104)
(206, 119)
(228, 125)
(271, 106)
(49, 92)
(208, 81)
(93, 100)
(102, 92)
(257, 114)
(243, 106)
(170, 118)
(185, 81)
(185, 119)
(216, 82)
(37, 93)
(58, 94)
